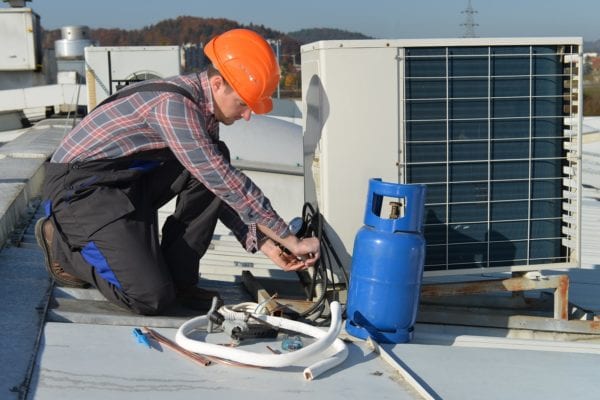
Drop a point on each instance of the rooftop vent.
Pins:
(74, 40)
(16, 3)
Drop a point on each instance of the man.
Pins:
(129, 156)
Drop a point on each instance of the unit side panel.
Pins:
(155, 62)
(355, 130)
(312, 123)
(126, 64)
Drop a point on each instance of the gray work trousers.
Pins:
(106, 226)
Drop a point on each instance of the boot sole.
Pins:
(41, 241)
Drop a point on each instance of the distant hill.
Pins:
(175, 31)
(592, 47)
(304, 36)
(187, 29)
(196, 30)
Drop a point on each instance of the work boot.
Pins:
(44, 231)
(197, 298)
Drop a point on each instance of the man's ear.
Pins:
(216, 82)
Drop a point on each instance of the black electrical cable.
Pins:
(319, 270)
(321, 298)
(336, 257)
(324, 239)
(313, 226)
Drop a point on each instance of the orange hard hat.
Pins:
(248, 64)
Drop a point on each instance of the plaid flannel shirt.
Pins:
(147, 121)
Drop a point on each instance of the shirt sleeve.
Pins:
(179, 122)
(248, 236)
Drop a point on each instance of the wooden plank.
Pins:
(259, 293)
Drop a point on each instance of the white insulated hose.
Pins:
(324, 340)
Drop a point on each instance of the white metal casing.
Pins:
(20, 49)
(347, 124)
(127, 62)
(354, 127)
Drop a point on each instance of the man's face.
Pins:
(229, 107)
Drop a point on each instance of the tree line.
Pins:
(196, 30)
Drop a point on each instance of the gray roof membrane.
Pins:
(72, 344)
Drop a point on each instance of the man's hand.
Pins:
(285, 260)
(308, 250)
(305, 252)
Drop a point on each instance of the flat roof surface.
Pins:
(85, 349)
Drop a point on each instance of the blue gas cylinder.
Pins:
(387, 265)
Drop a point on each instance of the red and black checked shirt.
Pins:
(147, 121)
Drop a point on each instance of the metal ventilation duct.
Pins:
(74, 40)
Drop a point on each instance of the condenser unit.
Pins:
(491, 126)
(21, 49)
(110, 68)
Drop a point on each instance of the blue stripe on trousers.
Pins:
(93, 256)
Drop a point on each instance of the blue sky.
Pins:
(377, 18)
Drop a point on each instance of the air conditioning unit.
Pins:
(21, 50)
(491, 126)
(110, 68)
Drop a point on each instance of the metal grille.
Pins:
(494, 132)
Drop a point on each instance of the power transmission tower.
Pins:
(469, 23)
